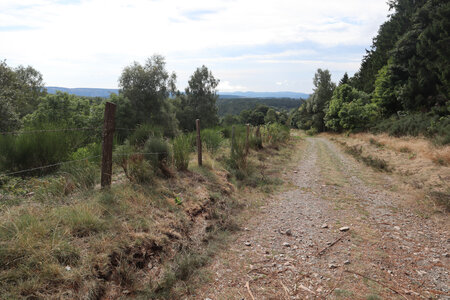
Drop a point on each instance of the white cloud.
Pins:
(87, 43)
(226, 86)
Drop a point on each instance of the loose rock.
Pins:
(345, 228)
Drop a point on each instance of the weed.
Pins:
(312, 131)
(82, 219)
(374, 162)
(376, 143)
(405, 149)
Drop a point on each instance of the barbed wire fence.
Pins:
(107, 141)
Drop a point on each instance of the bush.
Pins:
(312, 131)
(237, 161)
(139, 170)
(181, 151)
(275, 134)
(143, 133)
(32, 150)
(212, 139)
(157, 152)
(430, 125)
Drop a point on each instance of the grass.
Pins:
(375, 163)
(69, 237)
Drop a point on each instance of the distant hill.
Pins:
(265, 94)
(234, 106)
(86, 92)
(94, 92)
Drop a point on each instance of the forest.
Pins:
(402, 86)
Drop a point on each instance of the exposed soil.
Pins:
(293, 247)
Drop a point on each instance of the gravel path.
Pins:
(297, 247)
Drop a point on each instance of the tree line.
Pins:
(402, 86)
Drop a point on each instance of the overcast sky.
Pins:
(249, 45)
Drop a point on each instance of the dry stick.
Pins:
(247, 285)
(334, 287)
(285, 289)
(380, 283)
(330, 245)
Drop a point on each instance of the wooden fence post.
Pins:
(199, 142)
(258, 137)
(247, 143)
(107, 145)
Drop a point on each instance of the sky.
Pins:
(250, 45)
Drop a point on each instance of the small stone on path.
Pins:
(324, 226)
(345, 228)
(288, 232)
(248, 244)
(285, 244)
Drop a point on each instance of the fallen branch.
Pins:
(247, 285)
(306, 289)
(376, 281)
(330, 245)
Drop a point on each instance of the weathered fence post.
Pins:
(247, 145)
(258, 137)
(199, 142)
(107, 145)
(232, 141)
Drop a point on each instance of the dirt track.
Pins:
(293, 248)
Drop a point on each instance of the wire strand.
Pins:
(48, 166)
(50, 130)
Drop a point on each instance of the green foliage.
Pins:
(271, 116)
(212, 139)
(143, 132)
(145, 90)
(21, 87)
(31, 150)
(68, 111)
(181, 151)
(157, 152)
(199, 101)
(275, 133)
(429, 125)
(140, 170)
(234, 106)
(311, 114)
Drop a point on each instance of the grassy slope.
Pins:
(421, 165)
(134, 240)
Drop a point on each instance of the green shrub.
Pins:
(143, 133)
(237, 162)
(429, 125)
(157, 152)
(140, 170)
(275, 134)
(181, 151)
(90, 150)
(312, 131)
(211, 139)
(32, 150)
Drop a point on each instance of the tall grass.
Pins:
(212, 139)
(31, 150)
(181, 151)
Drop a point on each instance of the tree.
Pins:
(271, 116)
(199, 101)
(148, 88)
(350, 109)
(318, 101)
(344, 79)
(20, 90)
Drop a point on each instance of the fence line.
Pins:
(78, 160)
(50, 130)
(48, 166)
